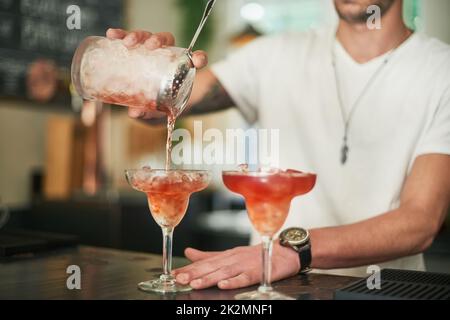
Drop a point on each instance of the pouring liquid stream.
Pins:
(141, 101)
(171, 119)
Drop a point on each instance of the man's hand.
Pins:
(236, 268)
(152, 41)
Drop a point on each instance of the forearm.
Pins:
(408, 230)
(208, 95)
(398, 233)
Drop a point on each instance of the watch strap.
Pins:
(305, 258)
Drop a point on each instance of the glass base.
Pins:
(263, 294)
(163, 285)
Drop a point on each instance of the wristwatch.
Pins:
(298, 240)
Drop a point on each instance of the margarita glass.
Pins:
(168, 193)
(268, 198)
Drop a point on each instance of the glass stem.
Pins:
(267, 264)
(167, 254)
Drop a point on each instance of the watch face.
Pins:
(295, 235)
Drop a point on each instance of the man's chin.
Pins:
(353, 16)
(355, 12)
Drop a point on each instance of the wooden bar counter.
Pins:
(108, 274)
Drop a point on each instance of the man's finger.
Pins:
(153, 115)
(196, 270)
(136, 37)
(213, 278)
(240, 281)
(113, 34)
(195, 255)
(169, 39)
(204, 266)
(135, 113)
(159, 40)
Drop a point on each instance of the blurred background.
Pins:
(62, 161)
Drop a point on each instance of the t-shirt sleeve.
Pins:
(240, 75)
(436, 138)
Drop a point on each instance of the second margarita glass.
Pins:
(268, 197)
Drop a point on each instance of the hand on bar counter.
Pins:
(235, 268)
(152, 41)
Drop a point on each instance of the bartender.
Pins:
(366, 109)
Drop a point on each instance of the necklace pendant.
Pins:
(344, 154)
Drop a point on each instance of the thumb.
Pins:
(200, 59)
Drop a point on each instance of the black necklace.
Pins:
(345, 147)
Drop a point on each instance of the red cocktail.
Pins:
(137, 101)
(268, 198)
(168, 193)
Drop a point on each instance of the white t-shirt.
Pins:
(287, 82)
(354, 78)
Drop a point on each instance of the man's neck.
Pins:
(364, 44)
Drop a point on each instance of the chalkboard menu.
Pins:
(39, 37)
